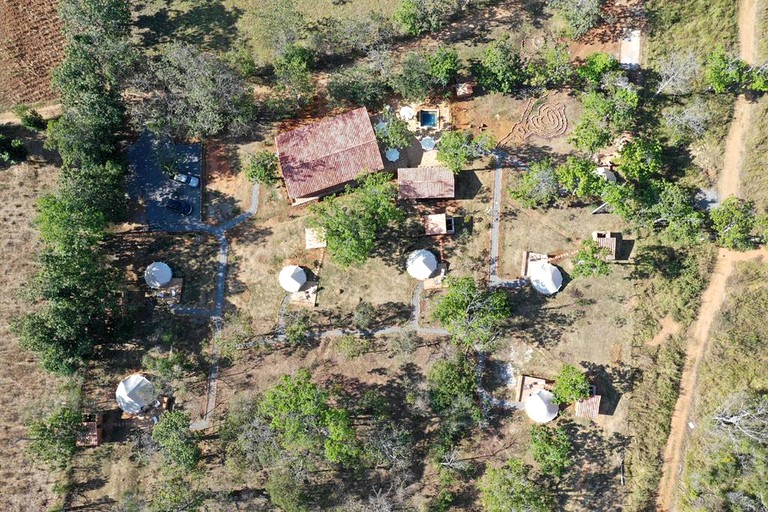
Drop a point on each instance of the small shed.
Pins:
(421, 264)
(541, 407)
(90, 433)
(425, 183)
(292, 278)
(588, 407)
(158, 275)
(438, 224)
(607, 240)
(135, 393)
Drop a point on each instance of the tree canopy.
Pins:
(178, 443)
(570, 385)
(734, 222)
(590, 260)
(551, 449)
(511, 488)
(458, 149)
(53, 438)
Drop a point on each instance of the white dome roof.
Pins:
(545, 277)
(134, 393)
(421, 264)
(158, 275)
(540, 406)
(292, 278)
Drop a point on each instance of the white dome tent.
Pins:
(158, 275)
(545, 277)
(135, 393)
(292, 278)
(540, 406)
(421, 264)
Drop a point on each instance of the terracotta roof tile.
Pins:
(328, 154)
(425, 182)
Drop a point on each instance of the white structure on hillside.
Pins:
(292, 278)
(135, 393)
(545, 277)
(540, 406)
(158, 275)
(421, 264)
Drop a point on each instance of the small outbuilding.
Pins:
(541, 407)
(545, 277)
(607, 240)
(421, 264)
(158, 275)
(426, 183)
(438, 224)
(135, 393)
(465, 89)
(292, 278)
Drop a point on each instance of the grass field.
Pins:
(26, 390)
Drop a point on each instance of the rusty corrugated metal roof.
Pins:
(425, 183)
(328, 154)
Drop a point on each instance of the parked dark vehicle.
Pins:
(177, 206)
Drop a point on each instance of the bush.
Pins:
(458, 149)
(262, 167)
(510, 488)
(734, 222)
(12, 151)
(404, 343)
(30, 118)
(579, 15)
(502, 69)
(416, 17)
(352, 346)
(595, 66)
(425, 75)
(570, 385)
(551, 449)
(724, 71)
(394, 134)
(538, 185)
(358, 86)
(53, 438)
(590, 260)
(364, 315)
(177, 441)
(551, 67)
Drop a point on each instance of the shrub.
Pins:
(404, 343)
(364, 315)
(570, 385)
(262, 167)
(538, 186)
(595, 66)
(12, 151)
(30, 118)
(734, 222)
(352, 346)
(502, 69)
(53, 438)
(358, 86)
(579, 15)
(724, 71)
(510, 488)
(458, 148)
(551, 449)
(416, 17)
(590, 260)
(394, 134)
(177, 441)
(425, 75)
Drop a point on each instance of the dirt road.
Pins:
(712, 299)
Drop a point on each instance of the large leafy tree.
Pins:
(359, 86)
(53, 438)
(595, 66)
(734, 222)
(674, 209)
(580, 15)
(189, 93)
(262, 167)
(451, 384)
(639, 160)
(551, 449)
(502, 69)
(176, 440)
(458, 148)
(472, 315)
(538, 186)
(724, 71)
(511, 488)
(352, 224)
(416, 17)
(577, 175)
(570, 385)
(394, 133)
(292, 71)
(425, 75)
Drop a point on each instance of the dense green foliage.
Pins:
(451, 385)
(734, 222)
(53, 437)
(358, 86)
(570, 385)
(590, 260)
(394, 134)
(472, 315)
(178, 443)
(12, 151)
(352, 224)
(579, 15)
(511, 488)
(595, 66)
(30, 118)
(416, 17)
(425, 75)
(551, 449)
(502, 68)
(262, 167)
(458, 149)
(538, 185)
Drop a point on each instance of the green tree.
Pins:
(595, 66)
(394, 134)
(358, 86)
(177, 441)
(191, 94)
(551, 449)
(675, 209)
(551, 67)
(579, 15)
(425, 75)
(590, 260)
(639, 160)
(53, 438)
(593, 131)
(292, 71)
(577, 175)
(262, 167)
(502, 69)
(538, 185)
(352, 224)
(444, 66)
(12, 151)
(471, 315)
(734, 222)
(449, 379)
(416, 17)
(277, 24)
(510, 488)
(300, 413)
(459, 148)
(288, 490)
(570, 385)
(174, 492)
(724, 71)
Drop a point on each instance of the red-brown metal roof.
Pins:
(325, 155)
(425, 183)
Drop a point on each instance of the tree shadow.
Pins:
(611, 383)
(535, 322)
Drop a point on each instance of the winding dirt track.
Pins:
(712, 299)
